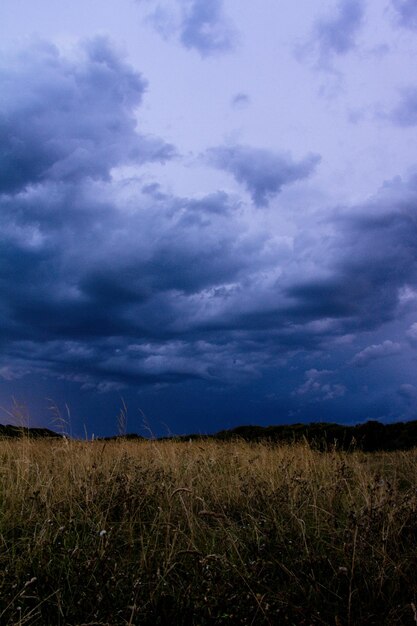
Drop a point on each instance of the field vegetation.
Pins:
(205, 532)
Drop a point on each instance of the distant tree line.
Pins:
(11, 431)
(369, 436)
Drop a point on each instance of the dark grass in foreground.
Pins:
(205, 533)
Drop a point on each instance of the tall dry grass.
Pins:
(205, 533)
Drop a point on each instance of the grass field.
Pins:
(151, 532)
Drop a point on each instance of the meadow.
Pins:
(205, 532)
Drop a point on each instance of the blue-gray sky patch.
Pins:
(337, 34)
(406, 13)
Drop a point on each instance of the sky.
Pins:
(208, 213)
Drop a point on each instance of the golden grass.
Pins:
(205, 533)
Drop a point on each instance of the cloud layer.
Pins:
(114, 282)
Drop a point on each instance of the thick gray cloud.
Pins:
(407, 12)
(337, 34)
(262, 172)
(67, 120)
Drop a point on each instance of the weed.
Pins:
(167, 532)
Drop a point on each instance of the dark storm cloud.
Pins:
(85, 275)
(405, 113)
(67, 120)
(406, 12)
(337, 34)
(370, 257)
(198, 24)
(155, 295)
(75, 264)
(111, 284)
(262, 172)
